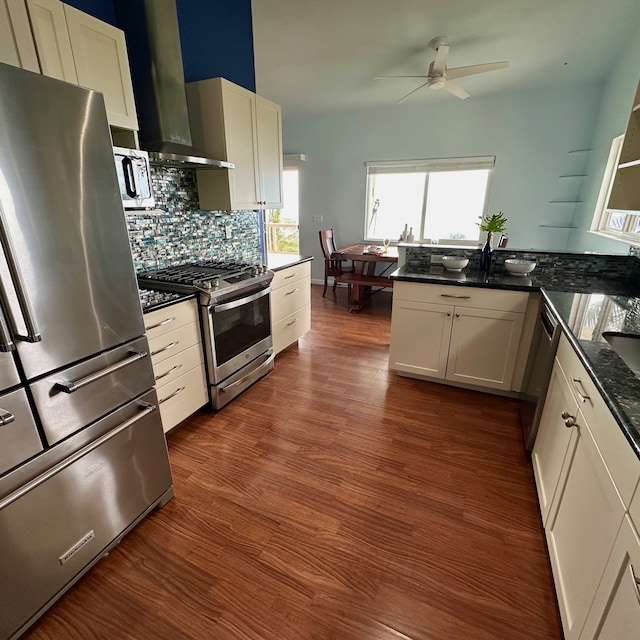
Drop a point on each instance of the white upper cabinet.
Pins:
(51, 37)
(16, 44)
(101, 61)
(61, 42)
(232, 124)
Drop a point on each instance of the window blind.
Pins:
(426, 166)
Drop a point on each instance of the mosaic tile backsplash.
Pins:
(177, 231)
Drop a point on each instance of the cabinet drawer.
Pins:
(462, 296)
(289, 298)
(170, 343)
(182, 397)
(161, 321)
(178, 364)
(622, 463)
(291, 274)
(288, 330)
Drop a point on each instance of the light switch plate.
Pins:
(317, 219)
(228, 231)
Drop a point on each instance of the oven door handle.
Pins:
(219, 308)
(266, 360)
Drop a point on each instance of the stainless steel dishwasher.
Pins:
(538, 374)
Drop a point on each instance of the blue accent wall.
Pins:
(217, 40)
(216, 37)
(104, 10)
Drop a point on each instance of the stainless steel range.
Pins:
(236, 320)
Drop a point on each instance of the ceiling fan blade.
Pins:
(386, 77)
(462, 72)
(412, 92)
(456, 89)
(439, 65)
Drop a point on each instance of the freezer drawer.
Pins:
(57, 524)
(75, 397)
(8, 372)
(19, 439)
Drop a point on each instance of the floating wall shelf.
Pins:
(575, 175)
(580, 150)
(556, 226)
(564, 201)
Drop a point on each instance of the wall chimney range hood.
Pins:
(155, 56)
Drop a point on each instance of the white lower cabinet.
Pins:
(472, 340)
(586, 474)
(615, 614)
(178, 361)
(290, 305)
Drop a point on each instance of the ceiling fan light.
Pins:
(437, 83)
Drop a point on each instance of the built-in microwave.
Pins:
(134, 177)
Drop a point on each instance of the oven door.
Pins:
(236, 333)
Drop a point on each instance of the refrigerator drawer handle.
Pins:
(6, 417)
(160, 324)
(226, 387)
(61, 466)
(172, 395)
(33, 332)
(70, 387)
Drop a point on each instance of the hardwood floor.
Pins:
(333, 500)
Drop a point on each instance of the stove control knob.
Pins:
(255, 271)
(214, 282)
(263, 268)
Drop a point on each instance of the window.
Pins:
(283, 224)
(441, 200)
(617, 224)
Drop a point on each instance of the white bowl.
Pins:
(519, 267)
(454, 263)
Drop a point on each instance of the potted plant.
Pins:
(495, 223)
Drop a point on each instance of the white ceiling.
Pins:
(322, 55)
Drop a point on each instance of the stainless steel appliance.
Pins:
(538, 373)
(134, 178)
(82, 452)
(236, 320)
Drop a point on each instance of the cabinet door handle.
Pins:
(160, 324)
(172, 395)
(448, 314)
(169, 346)
(569, 420)
(636, 582)
(582, 395)
(166, 373)
(446, 295)
(290, 292)
(457, 315)
(293, 275)
(292, 322)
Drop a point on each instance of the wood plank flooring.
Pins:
(333, 500)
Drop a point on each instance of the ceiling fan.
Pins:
(440, 76)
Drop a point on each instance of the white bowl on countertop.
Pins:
(517, 267)
(454, 263)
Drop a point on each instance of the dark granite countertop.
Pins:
(585, 307)
(278, 261)
(151, 300)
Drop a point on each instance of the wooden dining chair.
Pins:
(332, 267)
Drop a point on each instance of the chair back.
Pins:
(327, 243)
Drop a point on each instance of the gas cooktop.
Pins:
(213, 280)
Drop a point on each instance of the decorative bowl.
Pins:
(454, 263)
(519, 267)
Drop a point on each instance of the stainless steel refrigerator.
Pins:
(82, 453)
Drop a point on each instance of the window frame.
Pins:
(428, 166)
(602, 215)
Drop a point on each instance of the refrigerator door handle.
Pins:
(33, 333)
(74, 385)
(6, 343)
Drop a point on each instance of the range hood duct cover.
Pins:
(153, 39)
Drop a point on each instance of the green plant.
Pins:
(496, 222)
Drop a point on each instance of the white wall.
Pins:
(529, 133)
(617, 99)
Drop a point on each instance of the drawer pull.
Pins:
(582, 395)
(292, 322)
(166, 373)
(293, 275)
(446, 295)
(6, 417)
(636, 582)
(172, 395)
(290, 292)
(169, 346)
(74, 385)
(160, 324)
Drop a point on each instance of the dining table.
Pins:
(365, 273)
